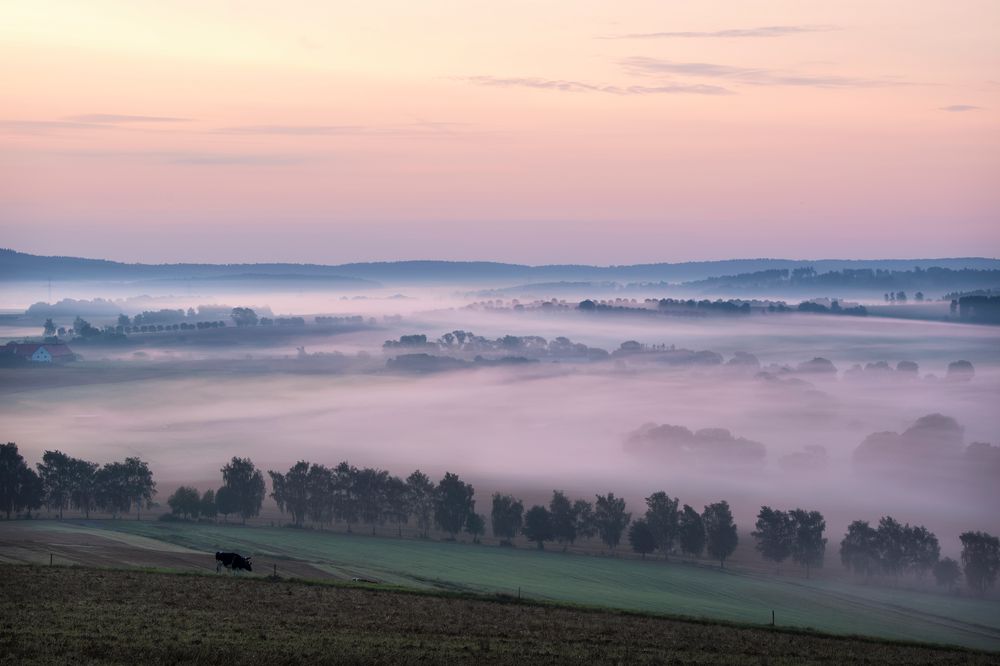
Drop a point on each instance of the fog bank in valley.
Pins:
(707, 409)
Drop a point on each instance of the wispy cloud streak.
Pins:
(115, 118)
(578, 86)
(959, 108)
(749, 75)
(762, 31)
(295, 130)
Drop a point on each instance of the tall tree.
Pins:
(641, 537)
(980, 560)
(208, 507)
(662, 520)
(691, 532)
(244, 317)
(31, 492)
(225, 502)
(454, 504)
(859, 549)
(808, 544)
(83, 485)
(56, 472)
(890, 538)
(584, 513)
(346, 507)
(11, 463)
(397, 503)
(720, 531)
(475, 525)
(139, 485)
(947, 573)
(921, 550)
(246, 486)
(185, 502)
(506, 517)
(611, 519)
(421, 491)
(110, 490)
(369, 486)
(774, 534)
(538, 525)
(563, 519)
(291, 491)
(49, 328)
(320, 483)
(18, 482)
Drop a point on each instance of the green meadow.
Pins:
(672, 588)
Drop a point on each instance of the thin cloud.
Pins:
(959, 108)
(578, 86)
(750, 76)
(762, 31)
(295, 130)
(115, 118)
(191, 158)
(81, 122)
(210, 159)
(41, 126)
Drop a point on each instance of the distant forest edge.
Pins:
(20, 266)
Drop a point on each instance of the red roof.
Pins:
(26, 349)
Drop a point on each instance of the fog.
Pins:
(628, 424)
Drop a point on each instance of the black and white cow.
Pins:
(232, 561)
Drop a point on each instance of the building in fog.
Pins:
(41, 353)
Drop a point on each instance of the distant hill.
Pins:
(20, 266)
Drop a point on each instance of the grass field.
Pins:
(677, 589)
(76, 615)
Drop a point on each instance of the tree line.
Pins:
(322, 496)
(892, 549)
(63, 482)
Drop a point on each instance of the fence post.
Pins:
(50, 559)
(772, 617)
(275, 570)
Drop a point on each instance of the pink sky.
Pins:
(598, 132)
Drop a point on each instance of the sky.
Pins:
(564, 131)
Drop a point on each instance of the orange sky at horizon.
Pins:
(590, 132)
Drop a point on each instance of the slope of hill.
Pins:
(676, 588)
(72, 615)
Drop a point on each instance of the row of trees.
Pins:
(893, 549)
(63, 482)
(323, 495)
(242, 494)
(374, 497)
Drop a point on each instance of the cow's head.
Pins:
(249, 564)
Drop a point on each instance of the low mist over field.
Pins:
(757, 407)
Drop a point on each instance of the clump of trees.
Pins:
(892, 550)
(374, 497)
(797, 534)
(64, 482)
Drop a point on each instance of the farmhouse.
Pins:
(41, 353)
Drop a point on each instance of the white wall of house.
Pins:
(41, 355)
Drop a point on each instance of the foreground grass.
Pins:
(74, 615)
(676, 589)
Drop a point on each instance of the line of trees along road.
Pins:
(345, 494)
